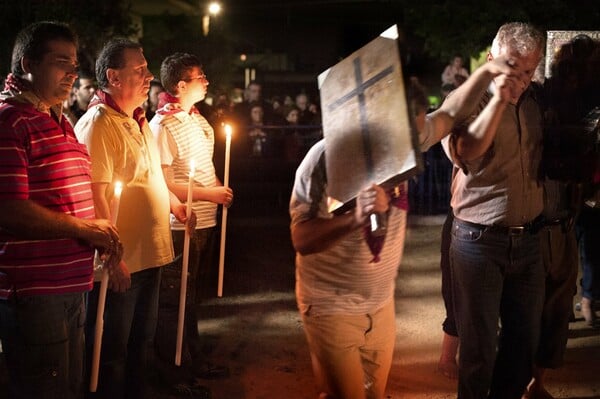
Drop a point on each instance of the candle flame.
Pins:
(228, 131)
(118, 188)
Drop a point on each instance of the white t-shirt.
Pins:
(341, 279)
(181, 138)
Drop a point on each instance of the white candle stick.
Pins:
(102, 297)
(184, 268)
(224, 217)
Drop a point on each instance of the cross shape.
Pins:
(359, 91)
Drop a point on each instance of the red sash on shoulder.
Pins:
(169, 105)
(102, 97)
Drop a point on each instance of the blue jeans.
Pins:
(588, 236)
(559, 253)
(449, 324)
(496, 276)
(42, 339)
(129, 324)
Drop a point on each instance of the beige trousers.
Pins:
(351, 354)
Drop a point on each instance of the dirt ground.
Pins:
(256, 331)
(255, 328)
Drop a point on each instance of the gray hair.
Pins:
(520, 37)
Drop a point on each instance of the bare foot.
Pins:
(447, 364)
(587, 310)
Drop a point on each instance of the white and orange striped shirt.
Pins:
(181, 138)
(341, 279)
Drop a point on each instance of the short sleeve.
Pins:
(309, 198)
(14, 180)
(167, 148)
(97, 133)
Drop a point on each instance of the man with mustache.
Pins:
(122, 149)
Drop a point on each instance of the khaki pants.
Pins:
(352, 354)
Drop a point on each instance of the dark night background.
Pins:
(255, 327)
(289, 42)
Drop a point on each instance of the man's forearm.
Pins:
(28, 220)
(457, 107)
(318, 234)
(481, 132)
(198, 193)
(465, 99)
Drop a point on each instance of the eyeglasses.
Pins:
(200, 77)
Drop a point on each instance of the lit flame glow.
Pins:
(118, 188)
(214, 8)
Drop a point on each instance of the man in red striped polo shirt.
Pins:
(47, 228)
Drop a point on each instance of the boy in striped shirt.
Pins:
(184, 136)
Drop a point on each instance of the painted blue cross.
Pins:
(359, 91)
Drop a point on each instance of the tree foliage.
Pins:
(437, 29)
(452, 27)
(167, 33)
(467, 27)
(95, 21)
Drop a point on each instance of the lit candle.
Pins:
(184, 267)
(224, 215)
(114, 214)
(227, 154)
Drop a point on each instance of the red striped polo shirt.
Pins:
(41, 161)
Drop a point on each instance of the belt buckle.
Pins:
(516, 230)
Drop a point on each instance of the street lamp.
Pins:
(214, 8)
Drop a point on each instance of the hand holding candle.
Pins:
(224, 216)
(184, 267)
(111, 256)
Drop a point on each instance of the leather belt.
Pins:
(531, 227)
(565, 223)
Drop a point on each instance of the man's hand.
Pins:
(370, 200)
(508, 88)
(180, 213)
(100, 233)
(112, 255)
(221, 195)
(119, 279)
(501, 65)
(509, 72)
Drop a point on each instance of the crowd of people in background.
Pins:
(278, 126)
(285, 127)
(454, 75)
